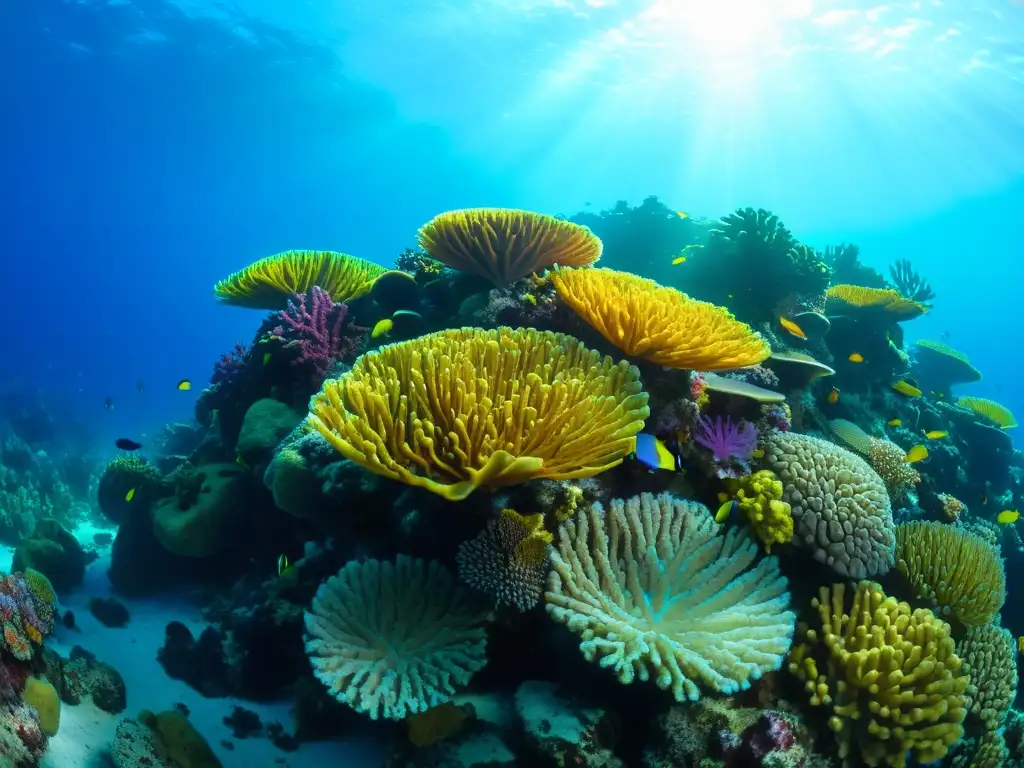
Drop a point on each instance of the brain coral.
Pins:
(654, 589)
(839, 503)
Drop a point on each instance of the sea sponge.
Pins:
(184, 745)
(394, 638)
(43, 698)
(840, 506)
(759, 498)
(989, 654)
(890, 675)
(998, 414)
(958, 573)
(660, 325)
(654, 589)
(505, 245)
(464, 408)
(271, 281)
(881, 301)
(200, 524)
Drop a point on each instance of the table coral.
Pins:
(655, 590)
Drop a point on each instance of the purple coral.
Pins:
(230, 364)
(315, 326)
(731, 445)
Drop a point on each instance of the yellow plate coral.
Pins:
(661, 325)
(464, 408)
(858, 297)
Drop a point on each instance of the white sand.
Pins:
(86, 731)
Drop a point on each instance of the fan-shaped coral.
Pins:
(654, 589)
(998, 414)
(464, 408)
(890, 675)
(840, 506)
(392, 639)
(859, 299)
(958, 573)
(659, 324)
(505, 245)
(990, 658)
(270, 282)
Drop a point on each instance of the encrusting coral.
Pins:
(655, 590)
(889, 675)
(958, 573)
(989, 654)
(840, 506)
(659, 324)
(505, 245)
(394, 638)
(759, 499)
(460, 409)
(270, 282)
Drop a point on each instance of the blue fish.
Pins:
(655, 454)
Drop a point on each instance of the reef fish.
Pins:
(726, 510)
(678, 260)
(935, 434)
(1008, 516)
(895, 423)
(856, 357)
(184, 385)
(682, 215)
(382, 327)
(127, 445)
(266, 358)
(833, 396)
(907, 389)
(915, 454)
(654, 453)
(283, 566)
(792, 328)
(130, 495)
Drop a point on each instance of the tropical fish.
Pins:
(678, 260)
(266, 358)
(108, 403)
(757, 453)
(382, 327)
(682, 215)
(1008, 516)
(856, 357)
(984, 499)
(241, 462)
(127, 445)
(792, 328)
(726, 510)
(935, 434)
(833, 396)
(654, 453)
(895, 423)
(284, 568)
(915, 454)
(130, 495)
(906, 389)
(184, 385)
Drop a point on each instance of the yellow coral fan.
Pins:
(659, 324)
(989, 409)
(759, 497)
(505, 245)
(990, 657)
(884, 456)
(892, 303)
(464, 408)
(270, 282)
(958, 573)
(655, 590)
(890, 675)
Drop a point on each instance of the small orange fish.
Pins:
(856, 357)
(682, 215)
(792, 328)
(833, 396)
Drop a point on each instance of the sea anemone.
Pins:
(731, 445)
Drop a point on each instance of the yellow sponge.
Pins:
(42, 697)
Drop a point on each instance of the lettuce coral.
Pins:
(889, 675)
(460, 409)
(394, 638)
(655, 590)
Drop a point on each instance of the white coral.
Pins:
(653, 587)
(394, 638)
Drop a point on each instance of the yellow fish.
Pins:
(130, 495)
(894, 423)
(654, 453)
(682, 215)
(1008, 516)
(184, 385)
(856, 357)
(283, 566)
(906, 389)
(382, 327)
(678, 260)
(241, 462)
(915, 454)
(725, 510)
(266, 358)
(1020, 644)
(792, 328)
(935, 434)
(833, 396)
(757, 453)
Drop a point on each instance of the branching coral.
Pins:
(959, 574)
(314, 325)
(659, 324)
(505, 245)
(847, 267)
(910, 283)
(270, 282)
(990, 658)
(998, 414)
(890, 676)
(508, 559)
(759, 498)
(464, 408)
(840, 506)
(393, 638)
(655, 590)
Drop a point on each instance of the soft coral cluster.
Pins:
(315, 327)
